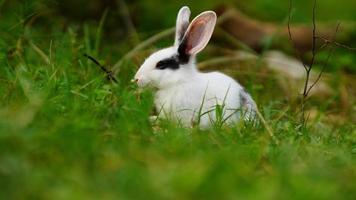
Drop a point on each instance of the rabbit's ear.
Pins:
(181, 24)
(198, 34)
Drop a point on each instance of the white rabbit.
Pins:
(183, 93)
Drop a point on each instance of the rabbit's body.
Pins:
(183, 93)
(195, 99)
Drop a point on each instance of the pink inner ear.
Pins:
(197, 32)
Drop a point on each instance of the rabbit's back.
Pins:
(188, 101)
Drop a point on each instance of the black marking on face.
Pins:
(173, 62)
(168, 63)
(183, 56)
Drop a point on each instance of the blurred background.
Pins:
(251, 37)
(68, 133)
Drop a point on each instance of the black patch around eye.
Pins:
(169, 63)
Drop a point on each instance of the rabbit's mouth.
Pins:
(143, 84)
(140, 82)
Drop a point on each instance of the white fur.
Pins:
(182, 23)
(185, 94)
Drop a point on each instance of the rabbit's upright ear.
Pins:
(181, 24)
(198, 34)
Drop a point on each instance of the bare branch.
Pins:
(331, 51)
(297, 53)
(314, 52)
(308, 67)
(109, 74)
(314, 37)
(328, 41)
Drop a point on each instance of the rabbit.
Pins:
(184, 94)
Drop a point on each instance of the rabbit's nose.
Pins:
(135, 80)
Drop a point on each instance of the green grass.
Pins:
(68, 133)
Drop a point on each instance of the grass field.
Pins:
(68, 133)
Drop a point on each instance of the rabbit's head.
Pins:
(175, 64)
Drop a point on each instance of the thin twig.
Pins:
(298, 54)
(331, 51)
(109, 74)
(328, 41)
(308, 67)
(314, 37)
(312, 62)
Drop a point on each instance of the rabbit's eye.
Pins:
(169, 63)
(161, 65)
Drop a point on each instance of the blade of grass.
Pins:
(143, 45)
(267, 127)
(40, 53)
(99, 31)
(125, 14)
(87, 39)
